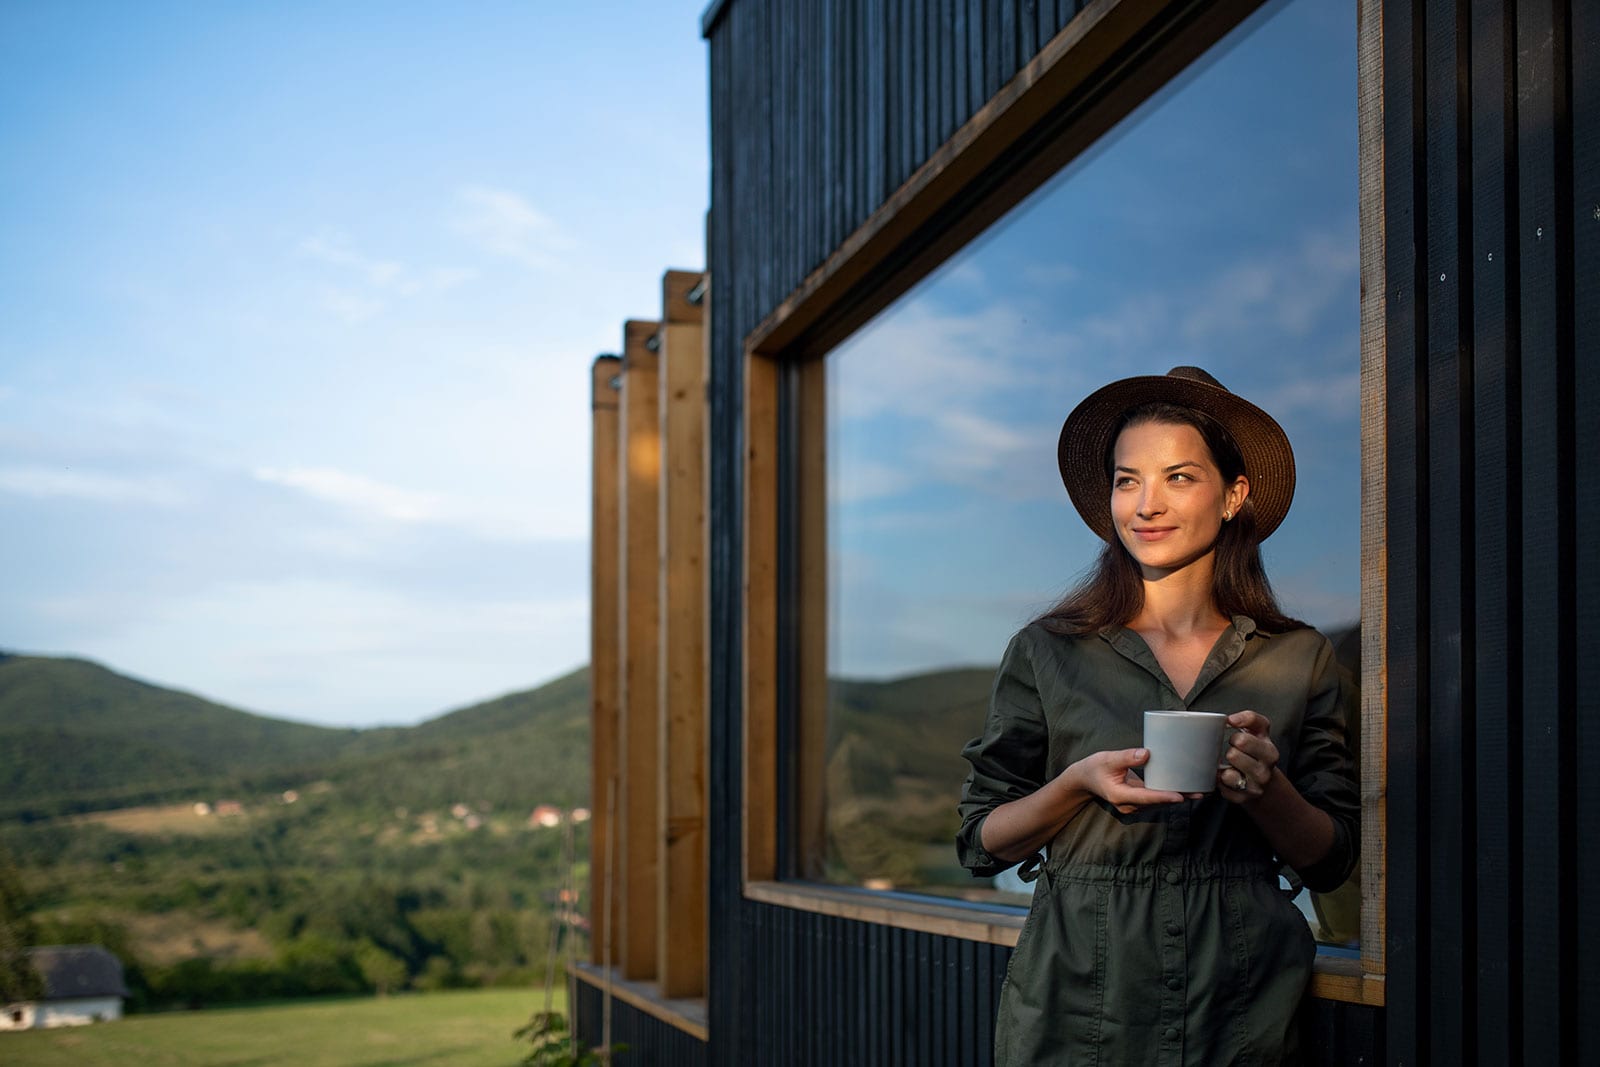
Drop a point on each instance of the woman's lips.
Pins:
(1153, 533)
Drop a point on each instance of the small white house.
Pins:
(82, 984)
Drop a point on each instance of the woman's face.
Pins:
(1167, 496)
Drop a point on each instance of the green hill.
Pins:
(518, 750)
(81, 737)
(76, 731)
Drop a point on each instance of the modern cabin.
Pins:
(824, 499)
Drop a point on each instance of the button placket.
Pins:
(1169, 890)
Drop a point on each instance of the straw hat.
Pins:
(1086, 442)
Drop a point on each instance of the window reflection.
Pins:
(1217, 227)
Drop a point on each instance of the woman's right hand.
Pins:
(1019, 828)
(1111, 777)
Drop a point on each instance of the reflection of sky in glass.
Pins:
(1218, 228)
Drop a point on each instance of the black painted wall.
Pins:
(1492, 179)
(819, 111)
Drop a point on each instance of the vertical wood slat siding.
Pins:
(651, 1042)
(1546, 688)
(835, 991)
(849, 146)
(1495, 401)
(1449, 712)
(1406, 991)
(729, 950)
(1490, 164)
(1585, 201)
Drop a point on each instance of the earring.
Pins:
(1226, 515)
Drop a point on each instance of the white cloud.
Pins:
(380, 278)
(86, 485)
(868, 480)
(1332, 396)
(337, 251)
(351, 307)
(1290, 288)
(356, 492)
(504, 223)
(522, 515)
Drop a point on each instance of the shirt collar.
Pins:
(1224, 654)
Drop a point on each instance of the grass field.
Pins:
(454, 1029)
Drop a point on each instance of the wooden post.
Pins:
(639, 468)
(681, 819)
(604, 562)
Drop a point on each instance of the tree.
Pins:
(18, 979)
(382, 970)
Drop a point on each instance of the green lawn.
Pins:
(455, 1029)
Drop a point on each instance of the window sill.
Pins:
(1332, 977)
(688, 1015)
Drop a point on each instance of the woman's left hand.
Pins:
(1250, 759)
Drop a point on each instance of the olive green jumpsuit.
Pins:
(1159, 937)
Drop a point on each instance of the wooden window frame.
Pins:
(968, 183)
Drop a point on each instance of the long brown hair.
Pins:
(1112, 593)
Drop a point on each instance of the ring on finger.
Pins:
(1242, 783)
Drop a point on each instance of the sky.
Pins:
(298, 303)
(1216, 227)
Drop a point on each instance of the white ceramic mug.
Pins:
(1185, 750)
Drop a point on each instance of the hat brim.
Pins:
(1086, 441)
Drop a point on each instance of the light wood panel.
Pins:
(760, 815)
(639, 472)
(604, 664)
(681, 811)
(1374, 487)
(811, 588)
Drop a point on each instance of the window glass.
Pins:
(1216, 227)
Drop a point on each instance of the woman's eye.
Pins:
(1122, 483)
(1179, 476)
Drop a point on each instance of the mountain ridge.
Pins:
(82, 735)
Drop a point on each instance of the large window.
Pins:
(1216, 225)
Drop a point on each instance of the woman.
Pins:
(1158, 933)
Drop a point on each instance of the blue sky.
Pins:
(1216, 227)
(297, 307)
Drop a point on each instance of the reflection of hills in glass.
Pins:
(894, 774)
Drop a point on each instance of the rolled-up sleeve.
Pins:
(1008, 760)
(1324, 770)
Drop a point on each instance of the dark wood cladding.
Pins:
(1492, 210)
(650, 1042)
(819, 111)
(837, 991)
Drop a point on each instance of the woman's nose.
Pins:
(1150, 502)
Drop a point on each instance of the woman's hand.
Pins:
(1111, 777)
(1018, 828)
(1250, 760)
(1299, 832)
